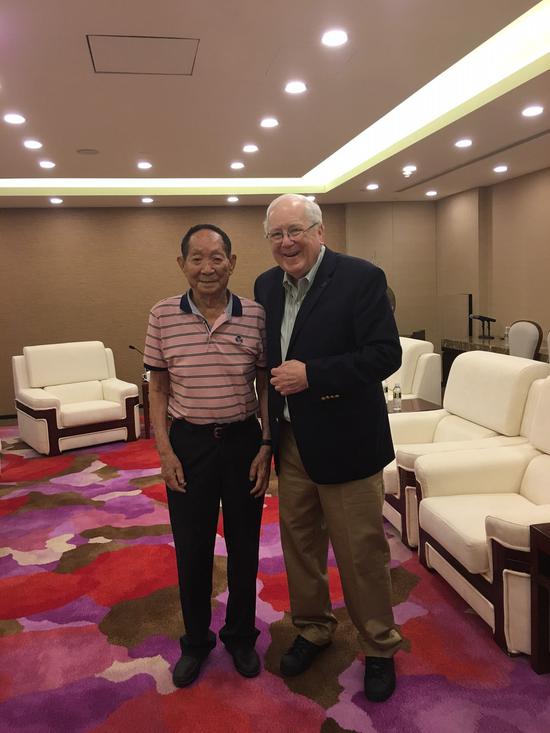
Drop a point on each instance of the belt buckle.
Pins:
(218, 431)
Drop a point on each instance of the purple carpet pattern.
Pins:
(90, 621)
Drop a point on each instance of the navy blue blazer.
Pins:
(346, 334)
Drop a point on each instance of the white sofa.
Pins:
(420, 372)
(475, 515)
(67, 396)
(486, 401)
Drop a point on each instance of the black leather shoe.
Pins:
(300, 656)
(246, 660)
(379, 678)
(187, 669)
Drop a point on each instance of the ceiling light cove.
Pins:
(250, 148)
(295, 87)
(144, 165)
(269, 122)
(464, 142)
(334, 38)
(534, 111)
(32, 144)
(14, 118)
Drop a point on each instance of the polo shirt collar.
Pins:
(234, 306)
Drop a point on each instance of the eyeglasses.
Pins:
(293, 233)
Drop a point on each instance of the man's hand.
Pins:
(290, 377)
(260, 469)
(172, 472)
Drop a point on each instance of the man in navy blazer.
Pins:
(331, 340)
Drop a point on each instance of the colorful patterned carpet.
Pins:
(89, 624)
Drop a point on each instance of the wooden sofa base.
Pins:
(504, 558)
(55, 433)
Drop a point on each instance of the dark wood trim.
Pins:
(49, 414)
(540, 597)
(413, 404)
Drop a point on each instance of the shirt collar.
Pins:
(309, 277)
(234, 306)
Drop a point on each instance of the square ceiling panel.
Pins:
(143, 54)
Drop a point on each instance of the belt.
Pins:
(217, 429)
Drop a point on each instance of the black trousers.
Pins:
(216, 463)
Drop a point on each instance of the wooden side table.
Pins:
(145, 398)
(540, 596)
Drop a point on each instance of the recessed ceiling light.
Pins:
(269, 122)
(232, 199)
(32, 144)
(47, 164)
(335, 37)
(533, 111)
(431, 193)
(147, 200)
(295, 87)
(500, 168)
(13, 118)
(237, 165)
(55, 200)
(372, 187)
(408, 170)
(144, 165)
(465, 142)
(310, 197)
(250, 148)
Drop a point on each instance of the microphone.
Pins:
(134, 348)
(483, 319)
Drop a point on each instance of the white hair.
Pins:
(312, 209)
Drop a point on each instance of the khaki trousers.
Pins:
(350, 515)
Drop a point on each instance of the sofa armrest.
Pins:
(37, 398)
(488, 471)
(415, 427)
(427, 378)
(515, 535)
(116, 390)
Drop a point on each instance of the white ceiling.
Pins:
(185, 84)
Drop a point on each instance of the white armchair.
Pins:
(420, 372)
(68, 396)
(486, 404)
(475, 515)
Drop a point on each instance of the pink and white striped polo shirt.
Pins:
(212, 371)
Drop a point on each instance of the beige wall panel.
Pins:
(520, 278)
(79, 274)
(400, 238)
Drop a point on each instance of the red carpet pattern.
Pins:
(90, 621)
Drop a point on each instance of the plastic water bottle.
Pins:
(506, 334)
(397, 397)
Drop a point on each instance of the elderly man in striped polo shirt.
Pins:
(205, 350)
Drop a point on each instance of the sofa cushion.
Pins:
(456, 428)
(52, 364)
(86, 413)
(491, 389)
(77, 392)
(539, 429)
(458, 523)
